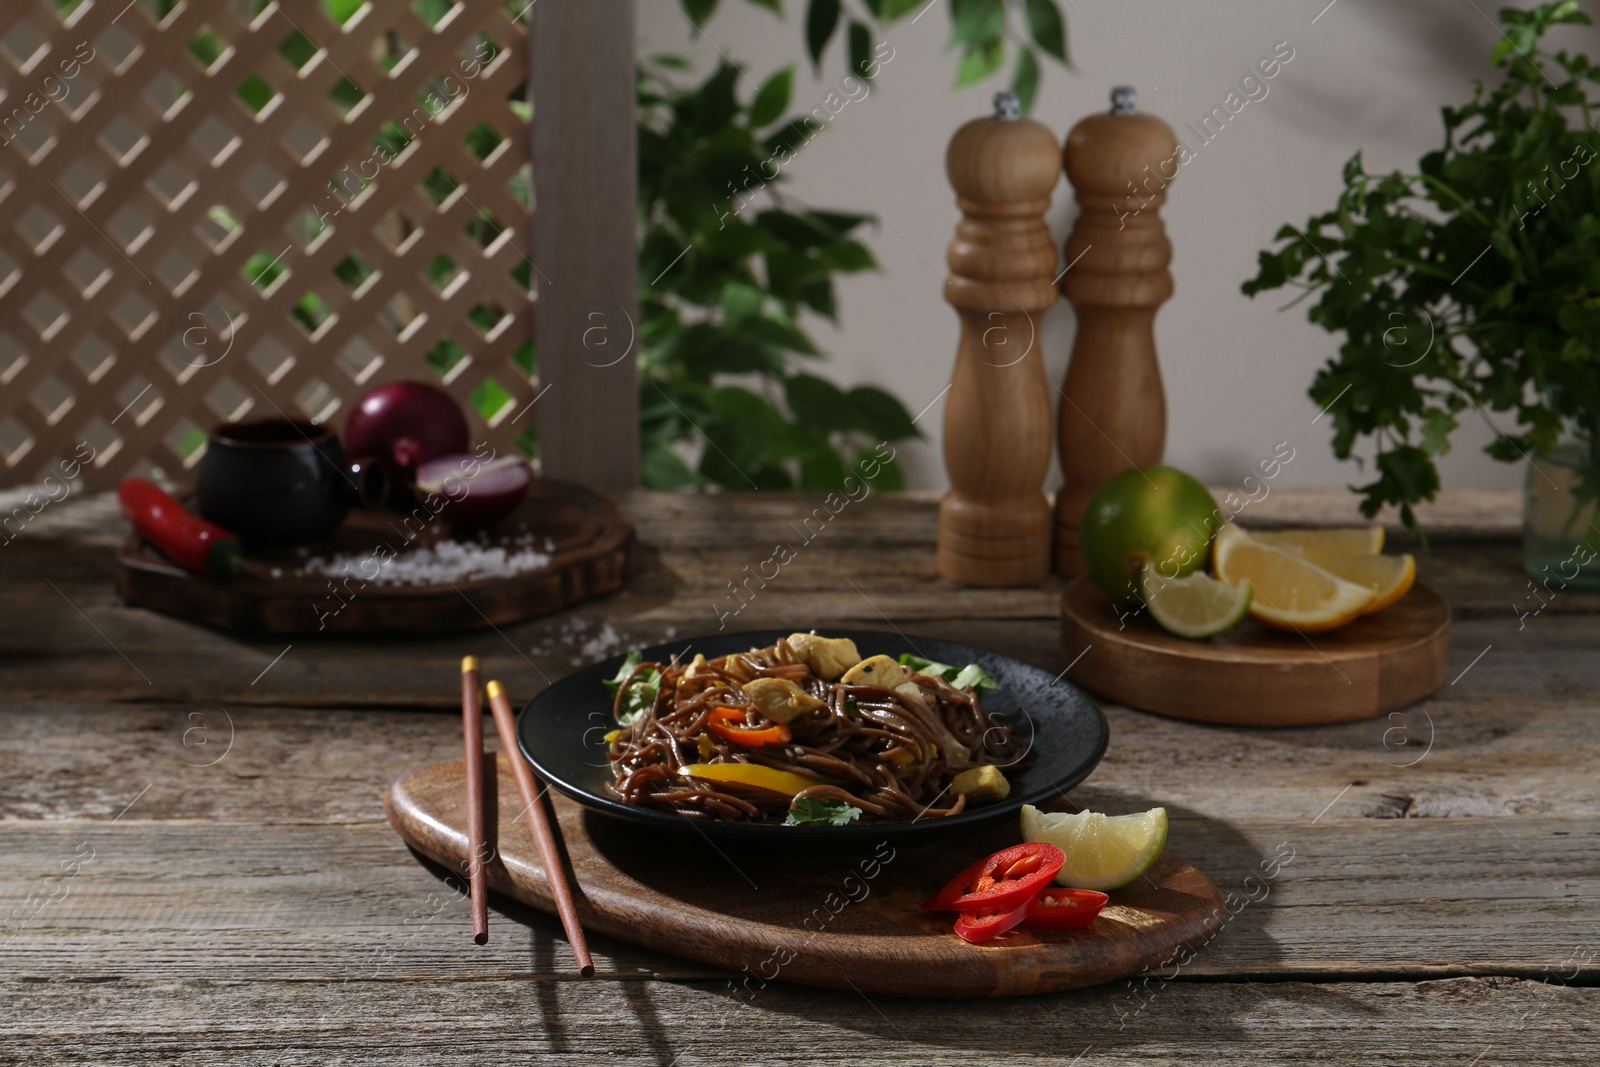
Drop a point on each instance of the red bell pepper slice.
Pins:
(1004, 880)
(721, 722)
(976, 926)
(1063, 909)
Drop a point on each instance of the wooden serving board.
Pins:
(1253, 675)
(587, 539)
(840, 921)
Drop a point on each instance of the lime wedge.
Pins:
(1195, 606)
(1103, 851)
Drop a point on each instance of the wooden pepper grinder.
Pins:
(1113, 411)
(994, 523)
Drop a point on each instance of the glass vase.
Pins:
(1560, 524)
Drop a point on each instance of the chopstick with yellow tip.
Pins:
(544, 834)
(472, 731)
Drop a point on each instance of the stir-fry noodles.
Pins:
(807, 731)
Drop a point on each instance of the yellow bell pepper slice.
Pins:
(784, 783)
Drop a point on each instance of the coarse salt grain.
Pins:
(445, 562)
(602, 644)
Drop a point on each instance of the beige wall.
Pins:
(1367, 74)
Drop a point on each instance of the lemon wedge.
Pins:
(1288, 591)
(1356, 540)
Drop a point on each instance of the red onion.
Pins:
(476, 492)
(405, 424)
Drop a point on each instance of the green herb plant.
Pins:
(722, 286)
(985, 31)
(1470, 288)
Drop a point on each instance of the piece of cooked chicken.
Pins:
(876, 670)
(828, 657)
(981, 783)
(780, 699)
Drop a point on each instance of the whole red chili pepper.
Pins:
(190, 542)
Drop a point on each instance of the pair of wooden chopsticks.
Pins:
(544, 831)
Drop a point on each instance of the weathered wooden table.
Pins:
(197, 867)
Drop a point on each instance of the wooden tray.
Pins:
(840, 921)
(1252, 675)
(589, 557)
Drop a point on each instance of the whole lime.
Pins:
(1153, 519)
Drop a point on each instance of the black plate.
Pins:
(561, 731)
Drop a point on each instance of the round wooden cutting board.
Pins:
(840, 921)
(587, 540)
(1253, 675)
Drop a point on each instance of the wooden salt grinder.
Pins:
(1113, 411)
(994, 523)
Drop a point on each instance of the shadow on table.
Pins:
(1162, 1004)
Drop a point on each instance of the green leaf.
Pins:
(699, 10)
(822, 18)
(772, 99)
(877, 414)
(980, 62)
(1437, 426)
(817, 402)
(977, 22)
(821, 812)
(784, 336)
(822, 471)
(1044, 23)
(848, 256)
(1025, 79)
(640, 695)
(860, 42)
(818, 296)
(661, 468)
(740, 300)
(899, 9)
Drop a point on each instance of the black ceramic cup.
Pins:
(282, 483)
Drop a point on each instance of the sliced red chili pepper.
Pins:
(190, 542)
(1056, 908)
(988, 923)
(721, 720)
(1008, 878)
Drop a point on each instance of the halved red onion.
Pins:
(476, 492)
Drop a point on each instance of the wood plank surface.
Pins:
(1502, 1022)
(252, 906)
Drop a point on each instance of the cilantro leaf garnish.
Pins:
(815, 811)
(641, 693)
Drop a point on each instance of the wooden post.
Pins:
(1113, 410)
(585, 185)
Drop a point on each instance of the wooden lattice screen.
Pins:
(214, 208)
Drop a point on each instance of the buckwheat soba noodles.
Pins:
(806, 731)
